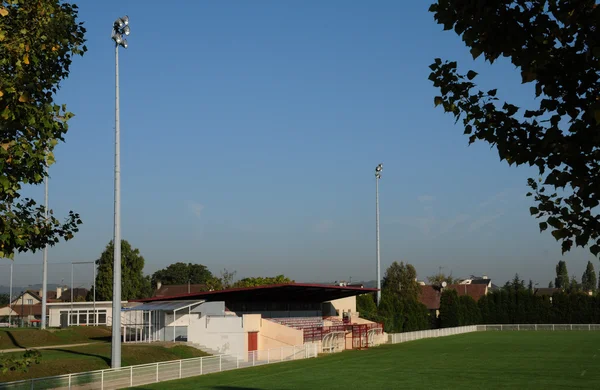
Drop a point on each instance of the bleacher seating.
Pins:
(300, 322)
(335, 321)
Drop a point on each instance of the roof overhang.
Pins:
(288, 292)
(170, 306)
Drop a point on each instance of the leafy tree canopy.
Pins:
(555, 44)
(133, 283)
(38, 40)
(439, 278)
(182, 273)
(562, 275)
(262, 281)
(401, 279)
(588, 279)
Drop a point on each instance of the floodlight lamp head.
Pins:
(125, 20)
(126, 30)
(124, 43)
(118, 38)
(119, 23)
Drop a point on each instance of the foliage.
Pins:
(226, 280)
(438, 279)
(133, 283)
(31, 356)
(366, 306)
(38, 40)
(550, 284)
(555, 45)
(588, 279)
(182, 273)
(574, 286)
(562, 275)
(449, 309)
(401, 279)
(4, 299)
(262, 281)
(517, 284)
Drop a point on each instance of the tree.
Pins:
(366, 306)
(438, 279)
(262, 281)
(530, 286)
(133, 283)
(401, 279)
(4, 299)
(562, 275)
(226, 280)
(550, 284)
(517, 284)
(574, 286)
(449, 309)
(182, 273)
(38, 40)
(588, 279)
(555, 45)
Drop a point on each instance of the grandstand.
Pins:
(247, 319)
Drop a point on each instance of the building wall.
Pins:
(24, 299)
(339, 306)
(274, 335)
(54, 310)
(226, 335)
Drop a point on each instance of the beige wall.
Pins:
(274, 335)
(341, 305)
(24, 299)
(6, 311)
(251, 322)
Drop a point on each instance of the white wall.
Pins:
(54, 310)
(223, 334)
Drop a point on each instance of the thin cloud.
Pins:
(323, 226)
(196, 208)
(483, 221)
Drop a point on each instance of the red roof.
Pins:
(430, 297)
(275, 292)
(475, 291)
(179, 289)
(28, 310)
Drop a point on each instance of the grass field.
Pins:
(490, 360)
(58, 361)
(31, 338)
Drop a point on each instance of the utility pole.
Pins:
(45, 261)
(378, 170)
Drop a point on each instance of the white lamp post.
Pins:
(378, 170)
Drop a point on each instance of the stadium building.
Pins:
(241, 320)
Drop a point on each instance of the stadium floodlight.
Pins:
(120, 29)
(378, 170)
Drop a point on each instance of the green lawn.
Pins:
(31, 338)
(490, 360)
(58, 361)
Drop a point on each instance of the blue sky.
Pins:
(250, 134)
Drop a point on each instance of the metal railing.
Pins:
(395, 338)
(163, 371)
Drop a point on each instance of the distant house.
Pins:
(28, 297)
(165, 291)
(474, 290)
(480, 280)
(79, 295)
(546, 291)
(430, 295)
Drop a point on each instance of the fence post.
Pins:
(102, 380)
(131, 376)
(294, 353)
(535, 326)
(518, 327)
(31, 384)
(589, 327)
(220, 363)
(156, 372)
(237, 359)
(571, 326)
(253, 358)
(500, 326)
(201, 359)
(180, 369)
(268, 356)
(281, 354)
(552, 326)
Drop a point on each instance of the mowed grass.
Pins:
(490, 360)
(58, 361)
(32, 338)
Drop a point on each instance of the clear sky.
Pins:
(250, 134)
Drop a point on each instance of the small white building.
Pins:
(63, 314)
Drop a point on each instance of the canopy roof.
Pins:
(288, 292)
(164, 306)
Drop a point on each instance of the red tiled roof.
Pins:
(179, 289)
(430, 297)
(28, 310)
(475, 291)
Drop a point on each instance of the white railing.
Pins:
(163, 371)
(588, 327)
(396, 338)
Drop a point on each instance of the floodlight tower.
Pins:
(120, 30)
(378, 170)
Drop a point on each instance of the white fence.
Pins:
(396, 338)
(163, 371)
(587, 327)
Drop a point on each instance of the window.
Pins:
(83, 317)
(102, 317)
(73, 320)
(30, 301)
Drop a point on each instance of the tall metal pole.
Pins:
(95, 314)
(10, 295)
(71, 288)
(45, 261)
(116, 309)
(377, 234)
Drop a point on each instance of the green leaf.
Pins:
(471, 75)
(528, 76)
(595, 249)
(543, 226)
(438, 100)
(475, 52)
(533, 210)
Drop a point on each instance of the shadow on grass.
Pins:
(102, 338)
(13, 340)
(215, 387)
(106, 359)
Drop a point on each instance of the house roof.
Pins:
(77, 293)
(165, 305)
(546, 291)
(179, 289)
(28, 310)
(34, 294)
(430, 297)
(475, 291)
(481, 281)
(286, 292)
